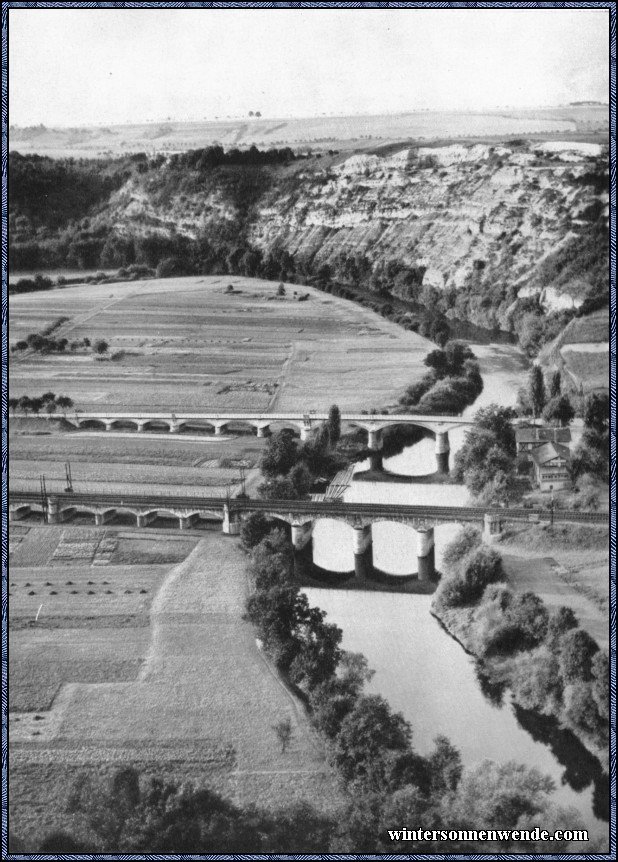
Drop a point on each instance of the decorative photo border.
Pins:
(5, 23)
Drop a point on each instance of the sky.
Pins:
(72, 67)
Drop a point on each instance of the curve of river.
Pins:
(419, 668)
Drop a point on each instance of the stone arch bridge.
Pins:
(301, 515)
(262, 423)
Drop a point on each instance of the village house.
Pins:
(550, 462)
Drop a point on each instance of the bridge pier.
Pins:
(302, 543)
(442, 451)
(144, 520)
(262, 430)
(492, 528)
(174, 427)
(109, 424)
(101, 518)
(54, 513)
(140, 425)
(219, 426)
(186, 521)
(231, 522)
(305, 430)
(374, 443)
(363, 552)
(426, 554)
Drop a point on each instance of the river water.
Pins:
(419, 668)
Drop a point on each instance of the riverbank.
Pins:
(499, 671)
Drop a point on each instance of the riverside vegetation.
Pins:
(550, 665)
(385, 782)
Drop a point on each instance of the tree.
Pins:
(301, 479)
(596, 413)
(48, 396)
(100, 346)
(445, 767)
(281, 289)
(559, 409)
(13, 404)
(64, 403)
(283, 732)
(24, 404)
(371, 734)
(280, 454)
(537, 682)
(49, 407)
(560, 621)
(498, 420)
(334, 424)
(555, 385)
(577, 650)
(536, 389)
(254, 528)
(498, 794)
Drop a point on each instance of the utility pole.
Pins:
(69, 479)
(44, 499)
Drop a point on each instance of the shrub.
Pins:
(465, 541)
(560, 621)
(482, 566)
(537, 682)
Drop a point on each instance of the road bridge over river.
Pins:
(301, 515)
(262, 423)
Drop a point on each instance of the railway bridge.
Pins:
(301, 515)
(262, 423)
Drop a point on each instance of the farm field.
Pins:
(187, 344)
(147, 664)
(583, 121)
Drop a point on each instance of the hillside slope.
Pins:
(506, 236)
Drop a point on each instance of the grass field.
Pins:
(146, 664)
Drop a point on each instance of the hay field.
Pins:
(171, 681)
(188, 345)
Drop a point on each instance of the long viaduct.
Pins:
(261, 423)
(301, 515)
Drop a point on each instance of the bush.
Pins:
(482, 566)
(464, 542)
(537, 682)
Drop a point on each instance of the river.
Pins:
(419, 668)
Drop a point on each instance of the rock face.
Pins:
(455, 210)
(474, 232)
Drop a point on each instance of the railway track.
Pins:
(319, 509)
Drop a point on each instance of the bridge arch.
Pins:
(288, 425)
(157, 425)
(91, 425)
(124, 424)
(191, 426)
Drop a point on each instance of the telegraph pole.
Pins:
(44, 499)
